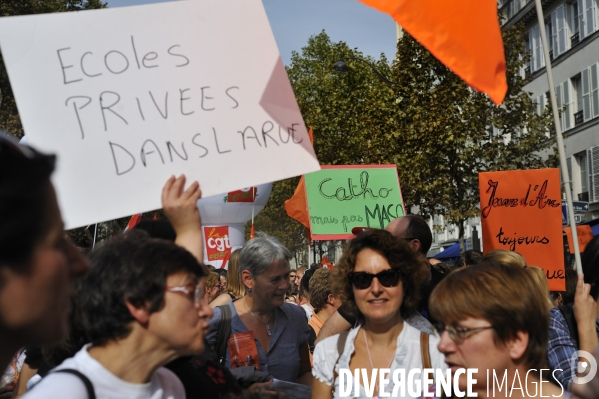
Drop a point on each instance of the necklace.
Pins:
(268, 331)
(372, 366)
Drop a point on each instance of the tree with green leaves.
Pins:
(9, 116)
(449, 132)
(346, 111)
(438, 131)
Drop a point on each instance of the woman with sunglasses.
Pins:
(482, 326)
(379, 278)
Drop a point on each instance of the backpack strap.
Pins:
(568, 313)
(425, 351)
(340, 346)
(91, 394)
(224, 331)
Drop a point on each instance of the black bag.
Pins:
(224, 331)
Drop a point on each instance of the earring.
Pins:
(249, 290)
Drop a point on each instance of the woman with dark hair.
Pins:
(143, 306)
(36, 259)
(378, 277)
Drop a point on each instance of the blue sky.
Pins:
(294, 21)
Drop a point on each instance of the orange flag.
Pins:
(297, 207)
(464, 35)
(133, 221)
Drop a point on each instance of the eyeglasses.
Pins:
(387, 278)
(189, 289)
(459, 334)
(409, 238)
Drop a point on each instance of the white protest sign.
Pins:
(127, 97)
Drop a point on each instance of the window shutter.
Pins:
(594, 90)
(586, 94)
(569, 165)
(562, 31)
(581, 18)
(531, 48)
(552, 34)
(567, 118)
(590, 17)
(542, 102)
(593, 172)
(539, 61)
(560, 103)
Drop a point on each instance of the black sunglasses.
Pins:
(387, 278)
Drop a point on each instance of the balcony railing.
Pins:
(575, 39)
(578, 118)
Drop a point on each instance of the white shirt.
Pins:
(407, 356)
(164, 384)
(308, 309)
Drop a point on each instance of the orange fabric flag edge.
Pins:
(296, 207)
(463, 35)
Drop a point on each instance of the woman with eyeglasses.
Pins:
(493, 318)
(379, 278)
(143, 305)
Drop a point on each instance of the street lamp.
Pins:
(342, 67)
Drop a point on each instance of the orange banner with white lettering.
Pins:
(521, 210)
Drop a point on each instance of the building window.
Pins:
(577, 100)
(537, 61)
(563, 94)
(574, 18)
(590, 92)
(581, 160)
(587, 17)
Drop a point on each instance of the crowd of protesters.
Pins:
(140, 316)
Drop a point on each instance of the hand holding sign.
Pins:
(181, 210)
(585, 312)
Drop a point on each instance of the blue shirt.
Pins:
(561, 348)
(290, 333)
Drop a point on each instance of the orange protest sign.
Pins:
(585, 234)
(521, 211)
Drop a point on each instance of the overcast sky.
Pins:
(294, 21)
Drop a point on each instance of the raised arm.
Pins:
(180, 207)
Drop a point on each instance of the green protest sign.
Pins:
(346, 196)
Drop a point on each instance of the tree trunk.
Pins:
(461, 235)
